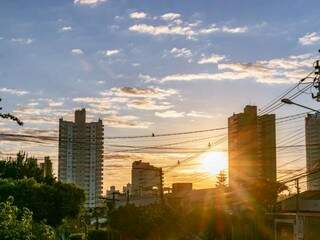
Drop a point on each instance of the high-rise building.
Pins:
(81, 155)
(46, 167)
(146, 180)
(252, 147)
(312, 130)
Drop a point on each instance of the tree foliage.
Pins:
(144, 222)
(264, 193)
(50, 203)
(16, 224)
(23, 167)
(221, 180)
(160, 221)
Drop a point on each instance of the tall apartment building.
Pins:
(81, 155)
(46, 167)
(312, 130)
(146, 180)
(252, 147)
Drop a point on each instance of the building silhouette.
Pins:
(146, 180)
(46, 167)
(81, 155)
(252, 147)
(312, 131)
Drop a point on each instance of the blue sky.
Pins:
(148, 66)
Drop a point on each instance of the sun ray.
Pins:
(213, 162)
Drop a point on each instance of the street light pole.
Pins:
(288, 101)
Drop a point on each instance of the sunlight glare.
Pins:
(213, 162)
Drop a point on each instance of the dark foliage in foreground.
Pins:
(50, 203)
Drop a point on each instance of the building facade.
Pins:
(312, 130)
(146, 180)
(251, 147)
(81, 155)
(46, 167)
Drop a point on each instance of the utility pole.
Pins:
(161, 185)
(297, 196)
(113, 198)
(128, 197)
(299, 223)
(316, 81)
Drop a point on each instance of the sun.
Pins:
(213, 162)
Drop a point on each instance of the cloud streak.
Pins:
(111, 52)
(139, 92)
(175, 26)
(214, 58)
(77, 51)
(274, 71)
(23, 41)
(88, 2)
(14, 91)
(309, 39)
(138, 15)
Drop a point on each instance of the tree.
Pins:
(10, 116)
(17, 224)
(23, 167)
(49, 203)
(221, 180)
(264, 193)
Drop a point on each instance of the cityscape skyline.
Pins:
(180, 70)
(158, 120)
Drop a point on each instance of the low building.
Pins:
(184, 196)
(298, 217)
(46, 167)
(181, 188)
(146, 180)
(112, 193)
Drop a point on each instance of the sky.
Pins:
(148, 67)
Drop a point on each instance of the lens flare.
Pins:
(213, 162)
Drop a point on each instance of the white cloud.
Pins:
(136, 64)
(101, 82)
(77, 51)
(170, 16)
(147, 78)
(33, 104)
(209, 30)
(181, 52)
(309, 39)
(176, 26)
(126, 121)
(162, 30)
(234, 30)
(33, 114)
(138, 15)
(148, 104)
(66, 29)
(192, 77)
(88, 2)
(170, 114)
(214, 58)
(25, 41)
(13, 91)
(281, 70)
(110, 52)
(54, 103)
(139, 92)
(198, 114)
